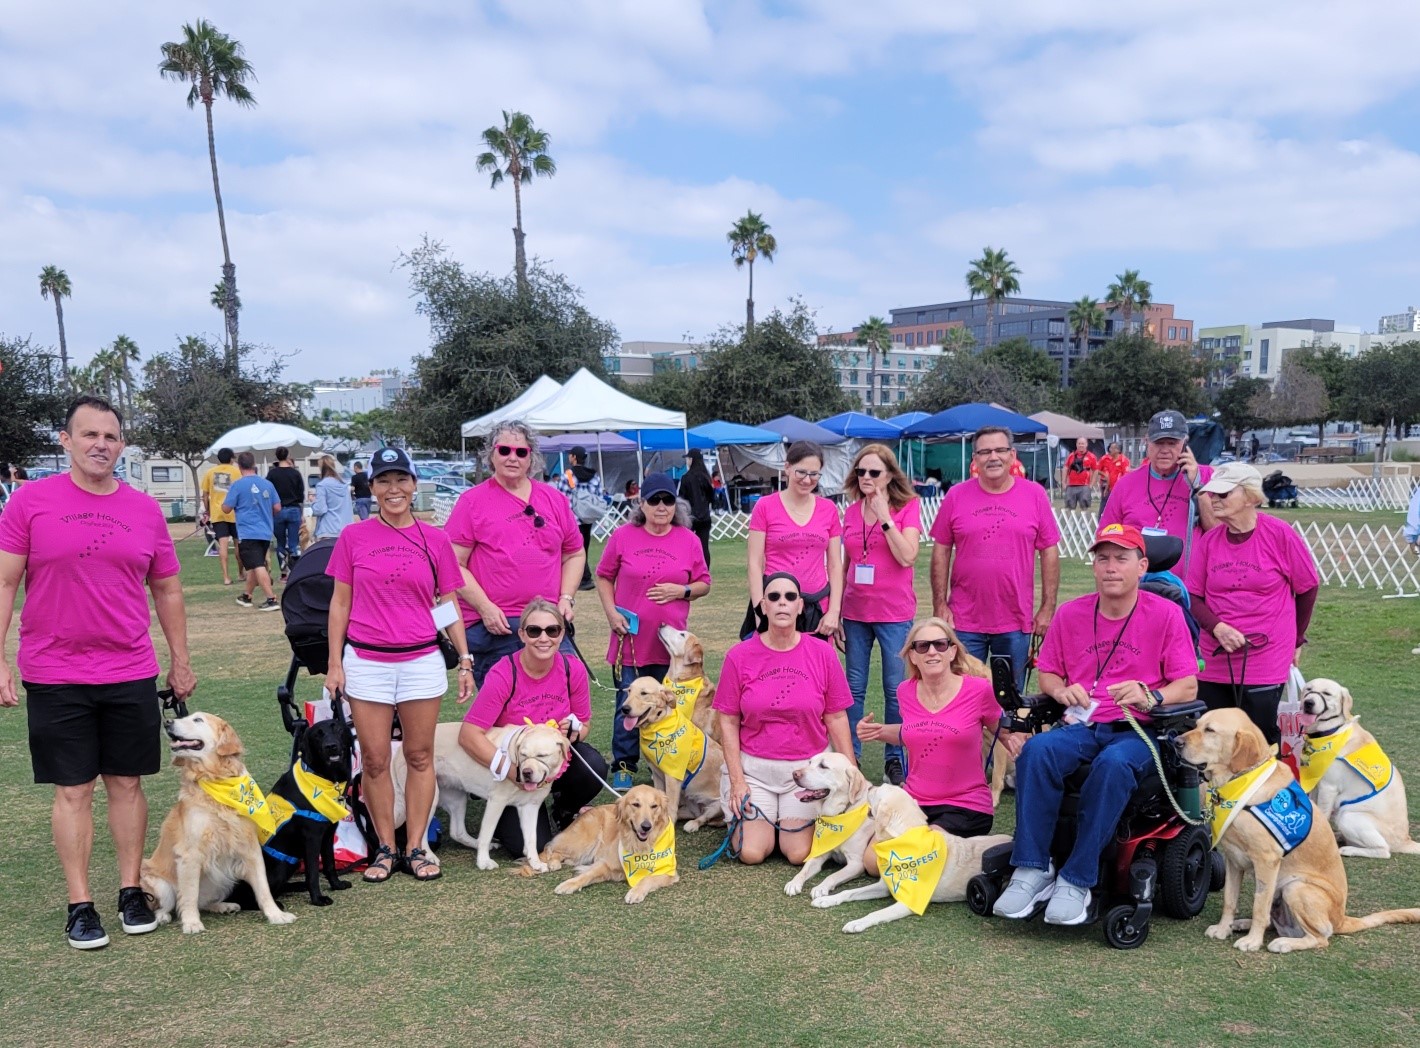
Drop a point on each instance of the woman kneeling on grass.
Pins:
(395, 579)
(782, 699)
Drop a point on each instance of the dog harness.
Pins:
(243, 796)
(660, 860)
(1369, 761)
(675, 745)
(831, 832)
(1287, 816)
(912, 864)
(323, 800)
(687, 692)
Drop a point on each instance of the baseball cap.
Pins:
(1168, 425)
(657, 484)
(387, 459)
(1122, 535)
(1233, 475)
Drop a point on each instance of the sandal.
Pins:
(422, 868)
(382, 865)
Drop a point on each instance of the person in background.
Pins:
(360, 490)
(291, 487)
(331, 507)
(1158, 498)
(216, 482)
(1411, 532)
(1113, 464)
(631, 490)
(1080, 469)
(579, 475)
(256, 505)
(722, 498)
(698, 492)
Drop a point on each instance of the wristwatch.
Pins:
(1158, 698)
(687, 593)
(887, 525)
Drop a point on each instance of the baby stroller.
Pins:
(1279, 489)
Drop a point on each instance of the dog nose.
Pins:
(626, 710)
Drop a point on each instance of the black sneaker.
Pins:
(83, 927)
(136, 911)
(587, 584)
(270, 604)
(244, 601)
(892, 771)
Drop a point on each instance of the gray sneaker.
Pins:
(244, 601)
(1069, 905)
(270, 605)
(1027, 889)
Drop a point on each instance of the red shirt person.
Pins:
(1081, 468)
(1113, 464)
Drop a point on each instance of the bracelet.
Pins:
(466, 657)
(465, 669)
(568, 598)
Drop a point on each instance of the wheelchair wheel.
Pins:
(1185, 874)
(1219, 873)
(981, 893)
(1121, 930)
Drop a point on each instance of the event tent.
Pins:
(585, 404)
(858, 424)
(965, 419)
(607, 440)
(1067, 428)
(907, 418)
(667, 439)
(733, 433)
(793, 428)
(262, 437)
(539, 391)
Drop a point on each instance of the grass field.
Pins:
(724, 957)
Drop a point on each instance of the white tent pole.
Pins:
(600, 467)
(640, 462)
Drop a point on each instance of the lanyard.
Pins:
(433, 572)
(863, 517)
(1149, 491)
(1100, 667)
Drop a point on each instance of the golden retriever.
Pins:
(687, 667)
(648, 702)
(1367, 823)
(206, 847)
(538, 754)
(894, 813)
(1301, 893)
(597, 839)
(836, 781)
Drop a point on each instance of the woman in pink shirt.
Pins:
(781, 700)
(795, 530)
(882, 531)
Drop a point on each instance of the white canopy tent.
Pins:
(586, 404)
(264, 437)
(541, 390)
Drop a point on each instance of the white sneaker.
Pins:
(1069, 905)
(1415, 650)
(1027, 889)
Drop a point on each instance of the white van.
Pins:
(167, 480)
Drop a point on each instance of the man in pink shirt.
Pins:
(1105, 651)
(85, 546)
(988, 534)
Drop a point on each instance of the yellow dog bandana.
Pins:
(675, 745)
(322, 794)
(242, 795)
(912, 865)
(1318, 754)
(1371, 763)
(831, 832)
(1232, 797)
(660, 860)
(686, 691)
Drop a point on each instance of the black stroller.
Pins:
(1280, 490)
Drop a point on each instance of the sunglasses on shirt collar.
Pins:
(528, 511)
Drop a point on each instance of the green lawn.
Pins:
(721, 958)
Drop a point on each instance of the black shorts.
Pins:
(251, 553)
(959, 822)
(224, 529)
(81, 731)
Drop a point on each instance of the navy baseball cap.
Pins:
(387, 460)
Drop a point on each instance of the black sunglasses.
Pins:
(661, 498)
(537, 631)
(787, 595)
(528, 511)
(874, 473)
(922, 647)
(507, 449)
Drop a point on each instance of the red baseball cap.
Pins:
(1122, 535)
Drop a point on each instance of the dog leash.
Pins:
(172, 705)
(606, 785)
(736, 823)
(1163, 776)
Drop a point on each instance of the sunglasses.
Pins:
(1219, 496)
(874, 473)
(507, 449)
(808, 474)
(788, 595)
(537, 631)
(940, 644)
(661, 498)
(528, 511)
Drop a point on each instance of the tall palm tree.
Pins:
(993, 276)
(749, 239)
(214, 64)
(518, 151)
(1085, 316)
(875, 335)
(958, 340)
(54, 283)
(123, 355)
(219, 297)
(1129, 293)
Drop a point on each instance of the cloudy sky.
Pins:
(1256, 161)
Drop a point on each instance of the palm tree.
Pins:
(214, 64)
(993, 276)
(749, 239)
(54, 283)
(1085, 316)
(123, 354)
(1129, 293)
(518, 151)
(876, 336)
(958, 340)
(219, 297)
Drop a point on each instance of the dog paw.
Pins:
(193, 927)
(1218, 931)
(566, 888)
(793, 888)
(339, 886)
(224, 907)
(164, 917)
(824, 902)
(281, 917)
(1242, 924)
(1250, 944)
(539, 866)
(1280, 946)
(322, 900)
(634, 896)
(485, 863)
(691, 826)
(854, 927)
(820, 891)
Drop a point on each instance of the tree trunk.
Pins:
(1065, 367)
(749, 303)
(990, 321)
(872, 378)
(63, 346)
(520, 258)
(229, 271)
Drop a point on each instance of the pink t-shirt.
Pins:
(513, 559)
(782, 697)
(635, 560)
(1154, 647)
(1144, 500)
(890, 597)
(392, 588)
(85, 618)
(1250, 585)
(997, 537)
(944, 763)
(801, 551)
(560, 691)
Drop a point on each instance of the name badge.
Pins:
(863, 574)
(445, 615)
(1155, 532)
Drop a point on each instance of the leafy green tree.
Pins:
(1334, 368)
(1129, 292)
(963, 378)
(490, 341)
(516, 151)
(1131, 377)
(1296, 396)
(876, 337)
(1384, 388)
(215, 66)
(54, 283)
(993, 277)
(1085, 316)
(1234, 406)
(750, 239)
(380, 425)
(31, 392)
(1023, 362)
(672, 389)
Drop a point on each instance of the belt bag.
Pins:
(446, 648)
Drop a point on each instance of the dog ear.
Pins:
(623, 807)
(228, 745)
(1345, 702)
(1249, 748)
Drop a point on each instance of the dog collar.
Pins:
(1331, 731)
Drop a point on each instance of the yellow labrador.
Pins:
(649, 703)
(597, 840)
(836, 781)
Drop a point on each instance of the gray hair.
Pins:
(518, 428)
(681, 518)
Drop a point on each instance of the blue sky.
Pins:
(1256, 161)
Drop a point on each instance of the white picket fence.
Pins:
(1364, 494)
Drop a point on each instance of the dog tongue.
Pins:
(629, 723)
(809, 796)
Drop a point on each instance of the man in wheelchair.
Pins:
(1119, 647)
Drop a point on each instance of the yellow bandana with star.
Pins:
(1319, 754)
(659, 860)
(242, 795)
(686, 691)
(1371, 763)
(675, 745)
(912, 865)
(1232, 797)
(322, 794)
(831, 832)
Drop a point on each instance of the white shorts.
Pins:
(423, 677)
(771, 789)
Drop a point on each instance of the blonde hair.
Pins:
(963, 664)
(539, 604)
(328, 467)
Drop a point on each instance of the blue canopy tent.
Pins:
(965, 419)
(666, 439)
(910, 456)
(907, 418)
(793, 428)
(721, 433)
(858, 424)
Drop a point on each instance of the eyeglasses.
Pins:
(808, 474)
(788, 595)
(922, 647)
(537, 631)
(984, 453)
(507, 449)
(874, 473)
(528, 511)
(660, 498)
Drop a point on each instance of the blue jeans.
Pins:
(362, 508)
(626, 745)
(287, 526)
(1015, 646)
(487, 648)
(1118, 759)
(891, 636)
